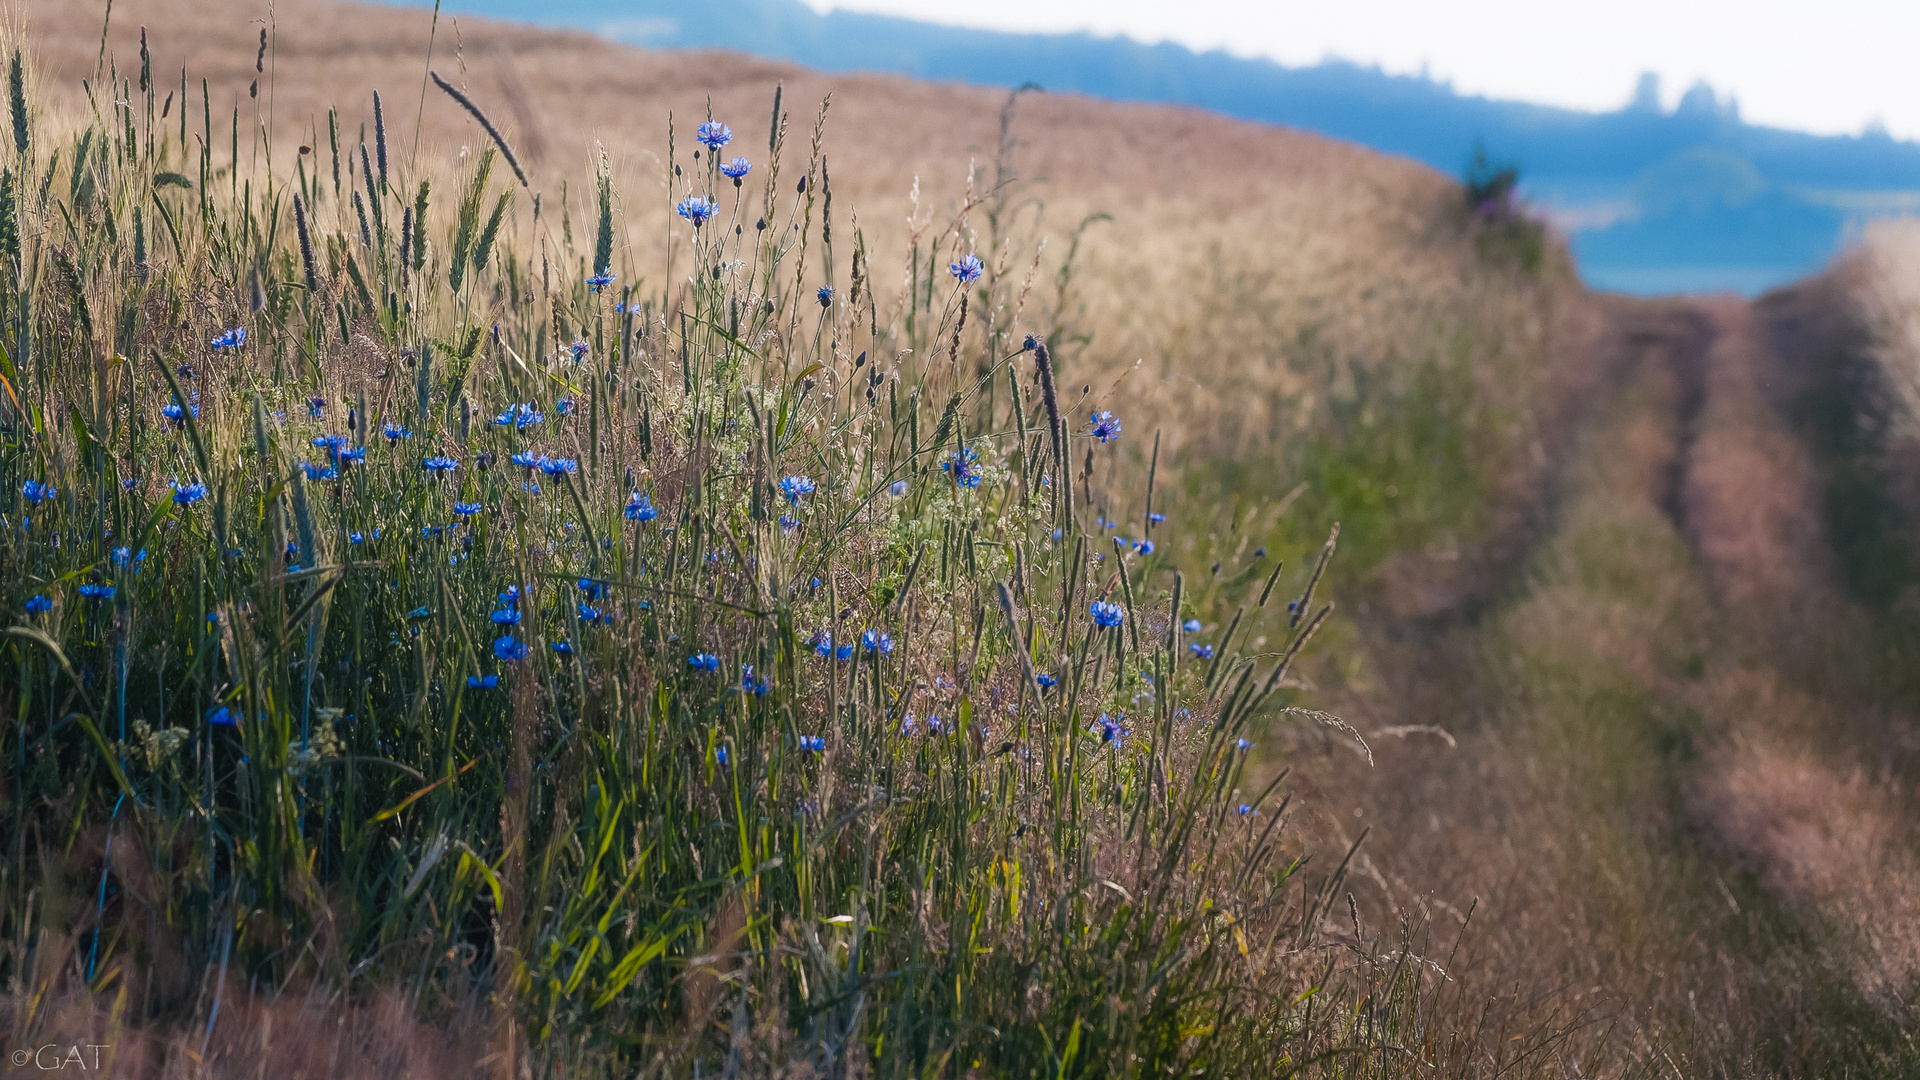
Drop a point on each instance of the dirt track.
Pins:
(1680, 791)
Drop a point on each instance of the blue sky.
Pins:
(1832, 67)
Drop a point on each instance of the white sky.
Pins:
(1830, 66)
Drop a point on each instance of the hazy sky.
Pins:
(1831, 66)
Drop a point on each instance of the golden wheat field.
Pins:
(1625, 746)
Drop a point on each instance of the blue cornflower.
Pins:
(1046, 681)
(1156, 518)
(756, 687)
(463, 509)
(559, 465)
(332, 444)
(813, 744)
(508, 647)
(908, 724)
(511, 597)
(580, 349)
(523, 415)
(593, 589)
(120, 555)
(876, 641)
(844, 652)
(38, 603)
(899, 488)
(232, 339)
(356, 538)
(788, 524)
(441, 464)
(97, 592)
(316, 406)
(795, 486)
(1105, 614)
(822, 643)
(640, 508)
(1191, 626)
(564, 406)
(1106, 426)
(714, 133)
(1201, 651)
(705, 661)
(224, 717)
(736, 169)
(1245, 810)
(1144, 547)
(1242, 744)
(696, 209)
(130, 483)
(319, 472)
(589, 613)
(720, 756)
(526, 459)
(562, 648)
(1110, 729)
(188, 494)
(350, 455)
(967, 269)
(934, 725)
(483, 682)
(964, 467)
(600, 280)
(824, 295)
(506, 616)
(36, 492)
(394, 432)
(178, 415)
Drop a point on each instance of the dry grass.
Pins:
(1243, 268)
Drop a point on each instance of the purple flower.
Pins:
(964, 467)
(968, 269)
(1106, 426)
(714, 133)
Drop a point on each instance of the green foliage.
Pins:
(416, 682)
